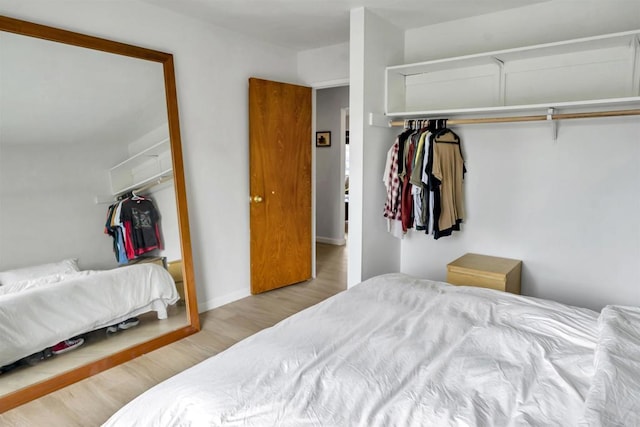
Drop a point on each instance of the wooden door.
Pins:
(280, 184)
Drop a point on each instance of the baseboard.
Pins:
(234, 296)
(331, 241)
(220, 301)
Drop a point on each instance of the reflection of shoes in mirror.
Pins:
(7, 368)
(36, 358)
(129, 323)
(67, 345)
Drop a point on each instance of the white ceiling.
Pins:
(308, 24)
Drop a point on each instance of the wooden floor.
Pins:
(93, 400)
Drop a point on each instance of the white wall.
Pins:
(212, 68)
(569, 208)
(164, 198)
(545, 22)
(375, 43)
(325, 65)
(46, 212)
(329, 167)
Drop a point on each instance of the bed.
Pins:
(400, 351)
(47, 306)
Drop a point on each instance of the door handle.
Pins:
(256, 199)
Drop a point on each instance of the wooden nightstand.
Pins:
(175, 269)
(502, 274)
(149, 259)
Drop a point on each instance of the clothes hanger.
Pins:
(446, 135)
(135, 196)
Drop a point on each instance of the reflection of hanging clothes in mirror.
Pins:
(134, 225)
(140, 219)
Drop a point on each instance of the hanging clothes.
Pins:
(424, 175)
(116, 231)
(134, 225)
(140, 219)
(391, 179)
(447, 176)
(406, 197)
(418, 181)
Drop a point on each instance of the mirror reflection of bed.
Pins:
(96, 345)
(63, 161)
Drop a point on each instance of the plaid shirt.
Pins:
(392, 183)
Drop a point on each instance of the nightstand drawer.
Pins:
(502, 274)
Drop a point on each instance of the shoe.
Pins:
(7, 368)
(67, 345)
(38, 357)
(129, 323)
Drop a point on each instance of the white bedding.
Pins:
(37, 314)
(614, 396)
(392, 351)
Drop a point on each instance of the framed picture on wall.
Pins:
(323, 139)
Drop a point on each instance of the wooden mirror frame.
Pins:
(42, 388)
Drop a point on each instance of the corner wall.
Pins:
(375, 43)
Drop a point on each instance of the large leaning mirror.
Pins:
(95, 256)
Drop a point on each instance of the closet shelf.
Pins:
(606, 41)
(143, 168)
(144, 155)
(147, 183)
(592, 72)
(601, 104)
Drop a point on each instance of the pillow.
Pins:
(64, 267)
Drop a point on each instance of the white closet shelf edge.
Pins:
(565, 46)
(609, 103)
(145, 154)
(164, 175)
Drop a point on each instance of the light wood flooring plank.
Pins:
(92, 401)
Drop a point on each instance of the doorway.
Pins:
(331, 164)
(344, 120)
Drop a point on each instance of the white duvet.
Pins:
(614, 396)
(37, 314)
(393, 351)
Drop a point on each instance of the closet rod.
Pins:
(107, 200)
(155, 182)
(564, 116)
